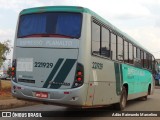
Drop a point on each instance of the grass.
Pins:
(5, 92)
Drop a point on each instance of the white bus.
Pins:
(70, 56)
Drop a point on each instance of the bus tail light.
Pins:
(13, 72)
(79, 76)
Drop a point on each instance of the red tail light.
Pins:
(79, 73)
(79, 76)
(66, 92)
(13, 73)
(79, 79)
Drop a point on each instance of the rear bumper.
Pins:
(74, 97)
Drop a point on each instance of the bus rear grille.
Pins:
(26, 81)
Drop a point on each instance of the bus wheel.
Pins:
(123, 100)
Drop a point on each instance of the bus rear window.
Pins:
(50, 24)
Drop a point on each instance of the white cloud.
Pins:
(6, 34)
(117, 8)
(18, 5)
(147, 37)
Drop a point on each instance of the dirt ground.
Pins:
(5, 91)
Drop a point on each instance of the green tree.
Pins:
(4, 50)
(9, 72)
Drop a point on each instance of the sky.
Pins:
(138, 18)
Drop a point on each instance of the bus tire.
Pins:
(123, 100)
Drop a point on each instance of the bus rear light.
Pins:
(79, 79)
(13, 73)
(66, 92)
(18, 88)
(79, 73)
(79, 76)
(13, 68)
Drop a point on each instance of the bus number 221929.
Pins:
(43, 64)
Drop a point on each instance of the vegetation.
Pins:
(5, 92)
(4, 50)
(9, 72)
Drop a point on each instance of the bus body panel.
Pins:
(103, 81)
(43, 42)
(51, 50)
(137, 79)
(73, 97)
(38, 69)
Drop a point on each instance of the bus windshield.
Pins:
(53, 24)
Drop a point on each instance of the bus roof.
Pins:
(81, 10)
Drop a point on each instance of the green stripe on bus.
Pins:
(121, 74)
(118, 78)
(55, 9)
(63, 73)
(53, 72)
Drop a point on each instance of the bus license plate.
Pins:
(41, 94)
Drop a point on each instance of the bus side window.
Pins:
(120, 49)
(142, 58)
(153, 65)
(135, 60)
(139, 56)
(145, 60)
(130, 53)
(105, 51)
(150, 62)
(95, 38)
(113, 46)
(125, 51)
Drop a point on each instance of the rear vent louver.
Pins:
(26, 81)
